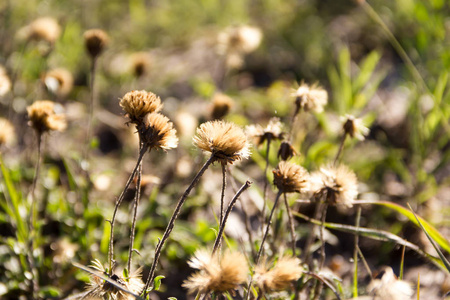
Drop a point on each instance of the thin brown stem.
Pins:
(218, 242)
(311, 236)
(92, 104)
(32, 216)
(222, 194)
(341, 147)
(269, 222)
(355, 254)
(118, 202)
(266, 183)
(171, 224)
(319, 285)
(291, 224)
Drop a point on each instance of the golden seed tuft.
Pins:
(139, 103)
(43, 117)
(273, 131)
(59, 81)
(42, 29)
(335, 185)
(354, 127)
(95, 41)
(290, 177)
(5, 82)
(221, 106)
(225, 140)
(157, 132)
(286, 270)
(310, 98)
(7, 134)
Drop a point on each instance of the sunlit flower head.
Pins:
(221, 105)
(43, 117)
(42, 29)
(139, 103)
(335, 185)
(59, 81)
(157, 132)
(273, 131)
(7, 133)
(225, 140)
(290, 177)
(354, 127)
(216, 275)
(95, 41)
(5, 82)
(310, 98)
(280, 277)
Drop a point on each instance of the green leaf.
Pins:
(157, 282)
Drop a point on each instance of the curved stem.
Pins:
(222, 194)
(341, 147)
(172, 221)
(291, 224)
(266, 182)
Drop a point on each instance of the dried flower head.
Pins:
(43, 117)
(221, 106)
(226, 141)
(7, 134)
(59, 81)
(310, 98)
(387, 286)
(140, 63)
(42, 29)
(271, 132)
(139, 103)
(101, 289)
(354, 127)
(286, 151)
(95, 41)
(5, 82)
(286, 270)
(216, 275)
(335, 185)
(157, 131)
(290, 177)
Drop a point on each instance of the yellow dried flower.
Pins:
(157, 132)
(43, 117)
(226, 141)
(310, 98)
(214, 275)
(95, 41)
(286, 270)
(221, 105)
(338, 185)
(139, 103)
(140, 63)
(271, 132)
(7, 135)
(388, 287)
(354, 127)
(42, 29)
(59, 81)
(290, 177)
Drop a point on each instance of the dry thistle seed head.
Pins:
(310, 98)
(43, 117)
(42, 29)
(335, 185)
(7, 134)
(139, 103)
(59, 81)
(226, 141)
(157, 131)
(95, 41)
(286, 151)
(214, 275)
(387, 286)
(286, 270)
(140, 63)
(221, 105)
(5, 82)
(271, 132)
(239, 39)
(290, 177)
(354, 127)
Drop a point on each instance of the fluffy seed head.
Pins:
(226, 141)
(140, 63)
(335, 185)
(139, 103)
(286, 270)
(221, 105)
(59, 81)
(95, 41)
(271, 132)
(5, 82)
(43, 117)
(7, 135)
(42, 29)
(387, 286)
(310, 98)
(290, 177)
(354, 127)
(214, 275)
(286, 151)
(158, 132)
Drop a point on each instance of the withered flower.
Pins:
(286, 151)
(286, 270)
(139, 103)
(310, 98)
(95, 41)
(354, 127)
(59, 81)
(387, 286)
(43, 117)
(157, 131)
(226, 141)
(273, 131)
(221, 106)
(140, 63)
(42, 29)
(335, 185)
(7, 134)
(290, 177)
(216, 275)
